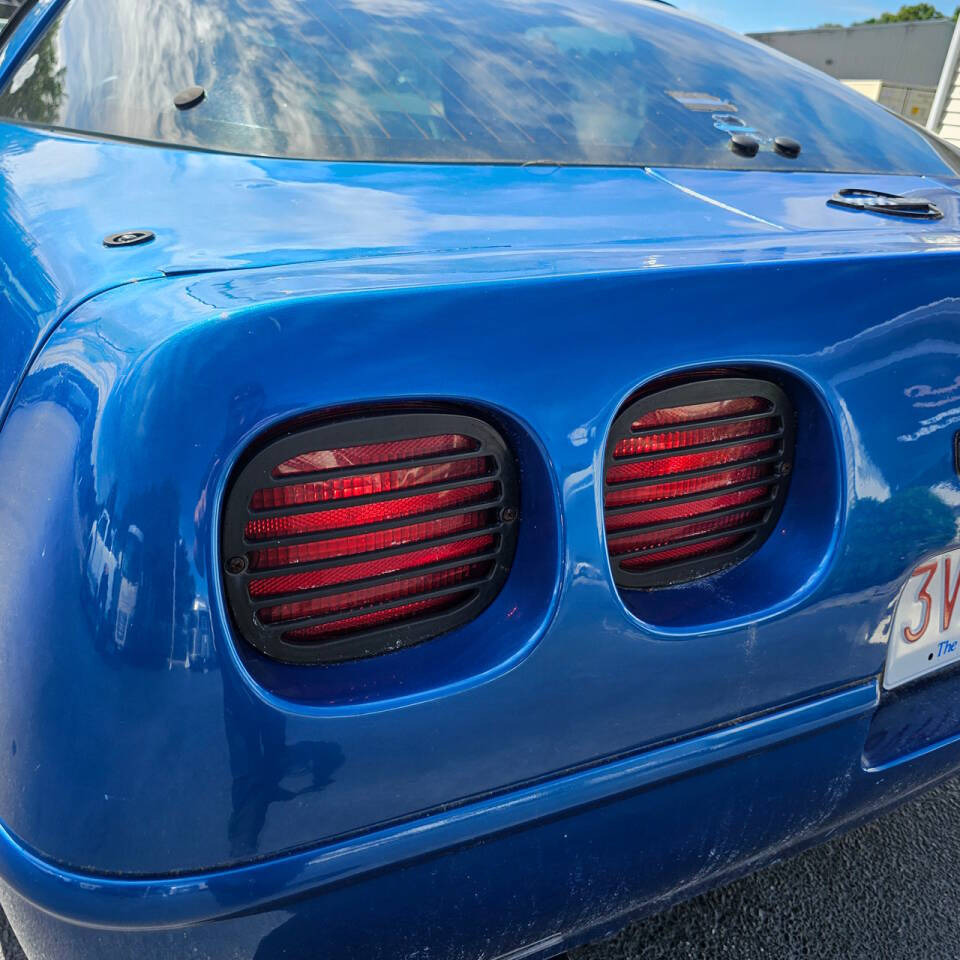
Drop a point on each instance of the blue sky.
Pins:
(753, 15)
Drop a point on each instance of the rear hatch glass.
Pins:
(585, 82)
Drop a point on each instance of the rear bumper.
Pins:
(532, 870)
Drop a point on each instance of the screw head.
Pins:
(190, 97)
(508, 515)
(236, 565)
(128, 238)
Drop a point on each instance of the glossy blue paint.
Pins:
(243, 347)
(174, 901)
(663, 840)
(574, 754)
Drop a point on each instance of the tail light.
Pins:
(366, 535)
(695, 479)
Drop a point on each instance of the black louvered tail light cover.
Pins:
(366, 535)
(695, 479)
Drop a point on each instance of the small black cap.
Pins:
(188, 98)
(745, 145)
(786, 147)
(128, 238)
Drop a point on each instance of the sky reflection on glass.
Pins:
(596, 81)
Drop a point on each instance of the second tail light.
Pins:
(695, 479)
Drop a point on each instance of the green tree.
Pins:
(913, 11)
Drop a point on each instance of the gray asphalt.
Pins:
(887, 891)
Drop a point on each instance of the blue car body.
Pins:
(573, 757)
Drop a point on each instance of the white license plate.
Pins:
(926, 624)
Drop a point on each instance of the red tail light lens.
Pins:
(268, 528)
(695, 479)
(324, 577)
(369, 484)
(359, 537)
(390, 451)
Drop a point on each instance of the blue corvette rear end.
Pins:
(634, 348)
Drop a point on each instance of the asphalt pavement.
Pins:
(887, 891)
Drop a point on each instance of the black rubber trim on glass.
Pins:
(18, 16)
(754, 533)
(257, 472)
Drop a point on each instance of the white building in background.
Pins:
(896, 64)
(944, 116)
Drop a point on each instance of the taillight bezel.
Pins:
(695, 390)
(256, 471)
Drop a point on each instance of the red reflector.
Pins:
(680, 511)
(652, 492)
(377, 618)
(690, 413)
(693, 487)
(390, 452)
(367, 542)
(658, 538)
(368, 484)
(337, 518)
(683, 463)
(314, 579)
(365, 522)
(687, 552)
(371, 596)
(677, 439)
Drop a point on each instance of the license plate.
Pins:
(926, 624)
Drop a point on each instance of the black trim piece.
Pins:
(319, 476)
(700, 424)
(335, 533)
(615, 535)
(688, 541)
(723, 559)
(378, 580)
(768, 481)
(405, 493)
(256, 472)
(361, 646)
(699, 447)
(465, 586)
(348, 558)
(693, 474)
(687, 394)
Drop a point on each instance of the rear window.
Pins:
(514, 81)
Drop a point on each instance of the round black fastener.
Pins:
(128, 238)
(508, 515)
(236, 565)
(744, 144)
(189, 97)
(786, 147)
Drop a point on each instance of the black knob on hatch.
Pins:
(786, 147)
(744, 145)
